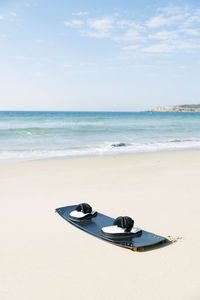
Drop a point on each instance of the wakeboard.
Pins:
(94, 227)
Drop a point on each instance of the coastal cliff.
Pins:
(178, 108)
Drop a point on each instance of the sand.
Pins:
(42, 257)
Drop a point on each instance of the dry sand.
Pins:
(42, 257)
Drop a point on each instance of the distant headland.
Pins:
(178, 108)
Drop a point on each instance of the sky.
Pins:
(108, 55)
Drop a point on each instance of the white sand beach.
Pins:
(42, 257)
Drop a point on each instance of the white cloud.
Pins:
(191, 20)
(129, 24)
(168, 16)
(101, 24)
(13, 14)
(81, 13)
(192, 32)
(159, 48)
(176, 46)
(123, 23)
(99, 28)
(9, 16)
(172, 10)
(162, 20)
(95, 34)
(156, 22)
(188, 46)
(169, 30)
(133, 47)
(130, 35)
(164, 35)
(74, 23)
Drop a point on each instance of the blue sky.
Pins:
(99, 55)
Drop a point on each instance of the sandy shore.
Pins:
(42, 257)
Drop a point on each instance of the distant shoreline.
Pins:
(186, 108)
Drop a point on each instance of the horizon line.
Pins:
(112, 111)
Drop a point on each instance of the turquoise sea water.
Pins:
(51, 135)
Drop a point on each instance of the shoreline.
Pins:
(119, 155)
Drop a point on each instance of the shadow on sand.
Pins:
(169, 240)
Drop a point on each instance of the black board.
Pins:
(94, 226)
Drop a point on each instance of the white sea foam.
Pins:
(47, 124)
(100, 150)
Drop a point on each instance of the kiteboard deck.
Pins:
(94, 226)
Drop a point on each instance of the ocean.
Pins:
(26, 136)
